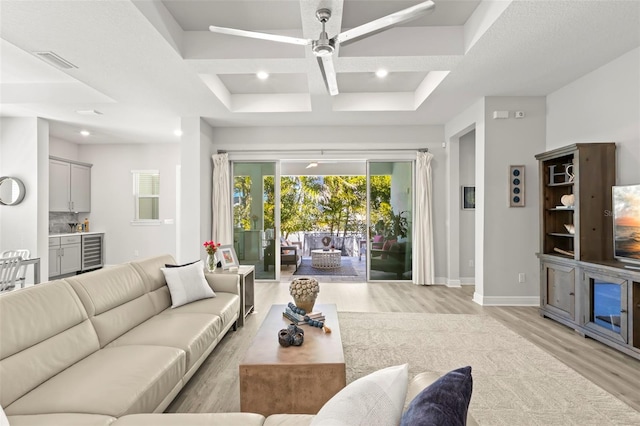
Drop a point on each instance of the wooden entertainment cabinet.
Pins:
(581, 285)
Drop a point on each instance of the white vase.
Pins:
(212, 262)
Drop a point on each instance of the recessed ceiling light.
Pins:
(85, 133)
(382, 73)
(262, 75)
(177, 132)
(88, 112)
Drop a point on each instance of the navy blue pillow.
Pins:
(444, 403)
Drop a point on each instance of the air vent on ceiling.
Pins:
(56, 60)
(88, 112)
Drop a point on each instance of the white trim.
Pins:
(468, 280)
(506, 300)
(453, 283)
(149, 222)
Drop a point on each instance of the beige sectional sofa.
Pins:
(106, 348)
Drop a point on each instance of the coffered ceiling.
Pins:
(145, 64)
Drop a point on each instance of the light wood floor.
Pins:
(215, 387)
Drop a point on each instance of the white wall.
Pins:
(511, 234)
(467, 167)
(112, 204)
(24, 154)
(602, 106)
(506, 239)
(63, 149)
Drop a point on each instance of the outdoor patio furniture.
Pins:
(394, 257)
(290, 254)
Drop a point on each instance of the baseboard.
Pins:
(453, 283)
(506, 300)
(468, 280)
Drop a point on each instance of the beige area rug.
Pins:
(514, 381)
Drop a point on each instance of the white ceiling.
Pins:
(145, 64)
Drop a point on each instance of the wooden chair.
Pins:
(9, 267)
(24, 254)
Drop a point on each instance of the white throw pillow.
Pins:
(376, 399)
(3, 418)
(187, 284)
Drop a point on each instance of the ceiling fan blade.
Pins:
(328, 73)
(261, 36)
(384, 23)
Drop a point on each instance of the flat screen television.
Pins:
(626, 223)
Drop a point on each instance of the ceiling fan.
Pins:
(324, 46)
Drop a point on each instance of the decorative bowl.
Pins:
(568, 200)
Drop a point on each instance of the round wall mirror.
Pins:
(11, 191)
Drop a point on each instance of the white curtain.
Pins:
(222, 225)
(423, 273)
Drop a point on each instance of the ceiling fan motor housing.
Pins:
(323, 46)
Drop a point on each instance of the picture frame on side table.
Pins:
(228, 256)
(468, 201)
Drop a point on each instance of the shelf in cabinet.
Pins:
(560, 184)
(561, 234)
(561, 209)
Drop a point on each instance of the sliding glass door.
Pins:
(254, 217)
(390, 215)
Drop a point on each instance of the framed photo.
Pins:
(468, 197)
(227, 256)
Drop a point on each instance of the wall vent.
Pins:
(55, 60)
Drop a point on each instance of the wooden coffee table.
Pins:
(297, 379)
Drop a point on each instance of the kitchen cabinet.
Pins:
(65, 255)
(69, 186)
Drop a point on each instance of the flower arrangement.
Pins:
(211, 247)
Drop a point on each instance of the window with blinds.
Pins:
(146, 194)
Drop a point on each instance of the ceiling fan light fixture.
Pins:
(323, 46)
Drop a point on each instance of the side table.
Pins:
(247, 277)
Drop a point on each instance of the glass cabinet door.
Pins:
(606, 311)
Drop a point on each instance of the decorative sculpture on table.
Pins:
(304, 291)
(325, 242)
(291, 336)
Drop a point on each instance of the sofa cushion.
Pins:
(192, 419)
(115, 299)
(44, 330)
(187, 284)
(445, 402)
(112, 381)
(224, 305)
(193, 333)
(289, 420)
(376, 399)
(66, 419)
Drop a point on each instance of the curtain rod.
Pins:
(321, 151)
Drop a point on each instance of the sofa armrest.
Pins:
(226, 283)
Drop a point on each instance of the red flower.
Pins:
(211, 247)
